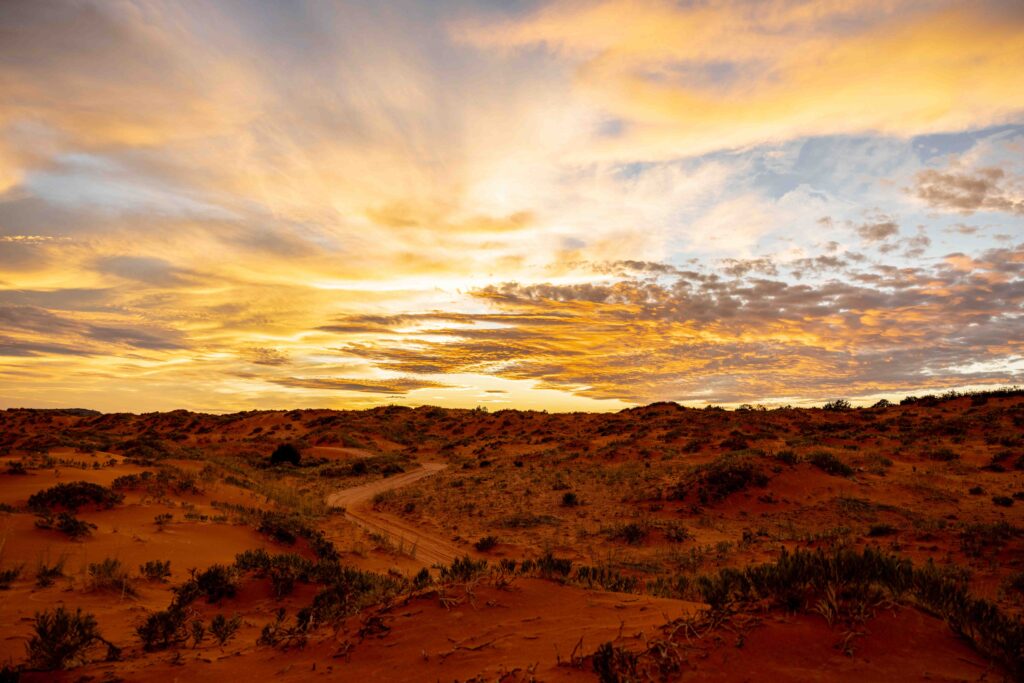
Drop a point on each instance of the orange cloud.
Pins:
(692, 79)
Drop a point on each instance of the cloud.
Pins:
(691, 78)
(967, 191)
(384, 386)
(744, 338)
(878, 231)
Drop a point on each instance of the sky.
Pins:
(225, 206)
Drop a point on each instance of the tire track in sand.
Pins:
(427, 548)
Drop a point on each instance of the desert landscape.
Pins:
(505, 341)
(656, 543)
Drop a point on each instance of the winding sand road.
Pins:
(426, 548)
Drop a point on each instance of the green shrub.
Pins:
(286, 453)
(217, 582)
(486, 543)
(830, 464)
(110, 575)
(73, 495)
(632, 533)
(156, 570)
(941, 454)
(67, 524)
(61, 639)
(163, 629)
(9, 576)
(721, 478)
(615, 664)
(223, 629)
(462, 569)
(46, 574)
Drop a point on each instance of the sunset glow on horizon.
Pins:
(546, 205)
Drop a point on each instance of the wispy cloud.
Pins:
(220, 206)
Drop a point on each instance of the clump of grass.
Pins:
(486, 543)
(830, 464)
(47, 574)
(155, 570)
(9, 576)
(633, 533)
(526, 520)
(110, 576)
(801, 579)
(463, 569)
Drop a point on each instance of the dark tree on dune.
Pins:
(286, 452)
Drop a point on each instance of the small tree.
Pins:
(223, 629)
(61, 639)
(286, 452)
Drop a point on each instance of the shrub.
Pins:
(223, 629)
(198, 632)
(46, 574)
(941, 455)
(570, 500)
(156, 570)
(830, 464)
(615, 664)
(632, 533)
(286, 453)
(486, 543)
(550, 566)
(837, 405)
(67, 524)
(1002, 501)
(721, 478)
(881, 530)
(61, 639)
(799, 578)
(162, 520)
(9, 576)
(462, 569)
(676, 533)
(163, 629)
(217, 582)
(788, 457)
(73, 495)
(16, 467)
(110, 575)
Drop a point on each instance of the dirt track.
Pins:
(424, 547)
